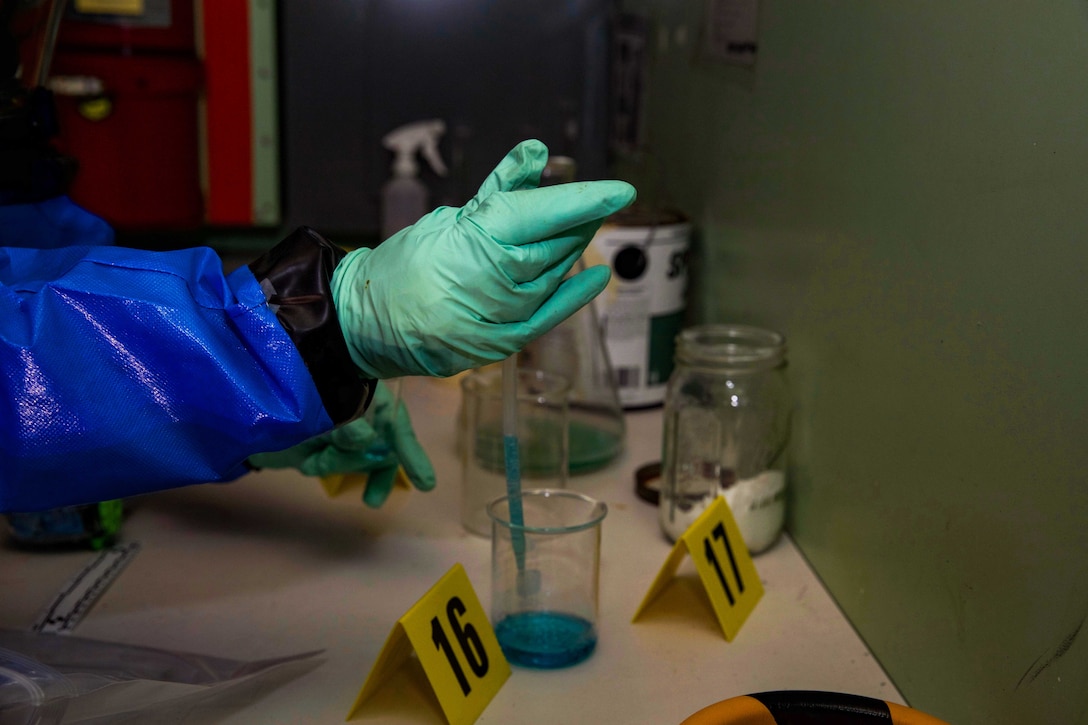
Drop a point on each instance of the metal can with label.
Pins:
(642, 309)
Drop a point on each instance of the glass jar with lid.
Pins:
(727, 422)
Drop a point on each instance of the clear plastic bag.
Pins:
(48, 678)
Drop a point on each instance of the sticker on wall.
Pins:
(731, 32)
(110, 7)
(98, 108)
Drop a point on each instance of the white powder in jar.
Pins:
(758, 505)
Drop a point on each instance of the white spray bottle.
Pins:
(405, 197)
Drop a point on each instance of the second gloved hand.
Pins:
(464, 287)
(376, 445)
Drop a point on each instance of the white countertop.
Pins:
(270, 566)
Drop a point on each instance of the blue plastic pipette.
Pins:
(512, 458)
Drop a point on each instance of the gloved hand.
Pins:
(464, 287)
(360, 446)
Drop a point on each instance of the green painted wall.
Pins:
(902, 188)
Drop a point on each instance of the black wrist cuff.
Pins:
(296, 276)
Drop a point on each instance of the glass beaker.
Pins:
(727, 414)
(545, 577)
(542, 438)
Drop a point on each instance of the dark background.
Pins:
(496, 71)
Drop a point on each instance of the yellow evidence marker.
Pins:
(460, 656)
(724, 566)
(336, 483)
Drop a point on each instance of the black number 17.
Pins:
(467, 638)
(708, 547)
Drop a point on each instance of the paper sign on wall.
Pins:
(724, 566)
(460, 657)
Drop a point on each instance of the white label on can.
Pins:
(642, 308)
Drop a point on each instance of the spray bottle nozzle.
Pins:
(420, 136)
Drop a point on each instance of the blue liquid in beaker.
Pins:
(545, 640)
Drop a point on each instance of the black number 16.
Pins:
(466, 637)
(719, 533)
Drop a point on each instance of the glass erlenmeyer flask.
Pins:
(576, 350)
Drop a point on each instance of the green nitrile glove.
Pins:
(375, 445)
(464, 287)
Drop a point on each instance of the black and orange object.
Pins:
(802, 707)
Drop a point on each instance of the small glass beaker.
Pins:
(542, 417)
(545, 576)
(727, 414)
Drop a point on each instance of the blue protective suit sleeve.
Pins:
(124, 371)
